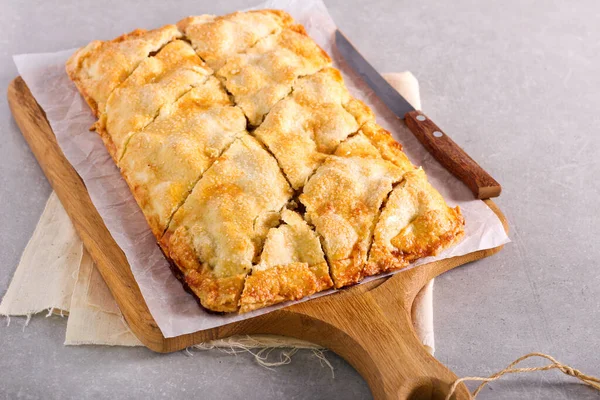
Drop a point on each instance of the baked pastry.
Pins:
(98, 68)
(157, 81)
(292, 265)
(163, 162)
(265, 73)
(216, 39)
(261, 177)
(305, 127)
(218, 233)
(342, 201)
(414, 223)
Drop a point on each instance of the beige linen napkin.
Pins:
(47, 271)
(57, 274)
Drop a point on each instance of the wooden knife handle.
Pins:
(451, 156)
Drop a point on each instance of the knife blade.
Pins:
(441, 147)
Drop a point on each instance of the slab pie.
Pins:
(262, 178)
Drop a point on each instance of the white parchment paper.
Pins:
(175, 311)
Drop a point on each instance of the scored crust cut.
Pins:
(292, 265)
(163, 162)
(98, 68)
(342, 201)
(218, 232)
(157, 81)
(309, 124)
(415, 223)
(262, 178)
(216, 39)
(265, 73)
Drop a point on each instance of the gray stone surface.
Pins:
(515, 82)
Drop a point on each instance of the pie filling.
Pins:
(262, 178)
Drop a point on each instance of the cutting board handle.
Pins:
(386, 353)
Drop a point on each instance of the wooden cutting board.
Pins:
(369, 325)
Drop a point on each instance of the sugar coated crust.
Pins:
(263, 179)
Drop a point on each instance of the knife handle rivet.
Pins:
(438, 134)
(421, 118)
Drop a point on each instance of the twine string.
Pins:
(589, 380)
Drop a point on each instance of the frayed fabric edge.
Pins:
(28, 315)
(266, 344)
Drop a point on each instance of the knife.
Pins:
(448, 153)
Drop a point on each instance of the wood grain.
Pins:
(451, 156)
(368, 325)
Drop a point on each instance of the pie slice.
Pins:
(264, 74)
(292, 266)
(415, 223)
(343, 199)
(163, 162)
(216, 39)
(156, 82)
(217, 235)
(98, 68)
(309, 124)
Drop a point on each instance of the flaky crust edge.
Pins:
(283, 283)
(73, 68)
(74, 63)
(213, 293)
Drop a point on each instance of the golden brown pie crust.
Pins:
(262, 178)
(98, 68)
